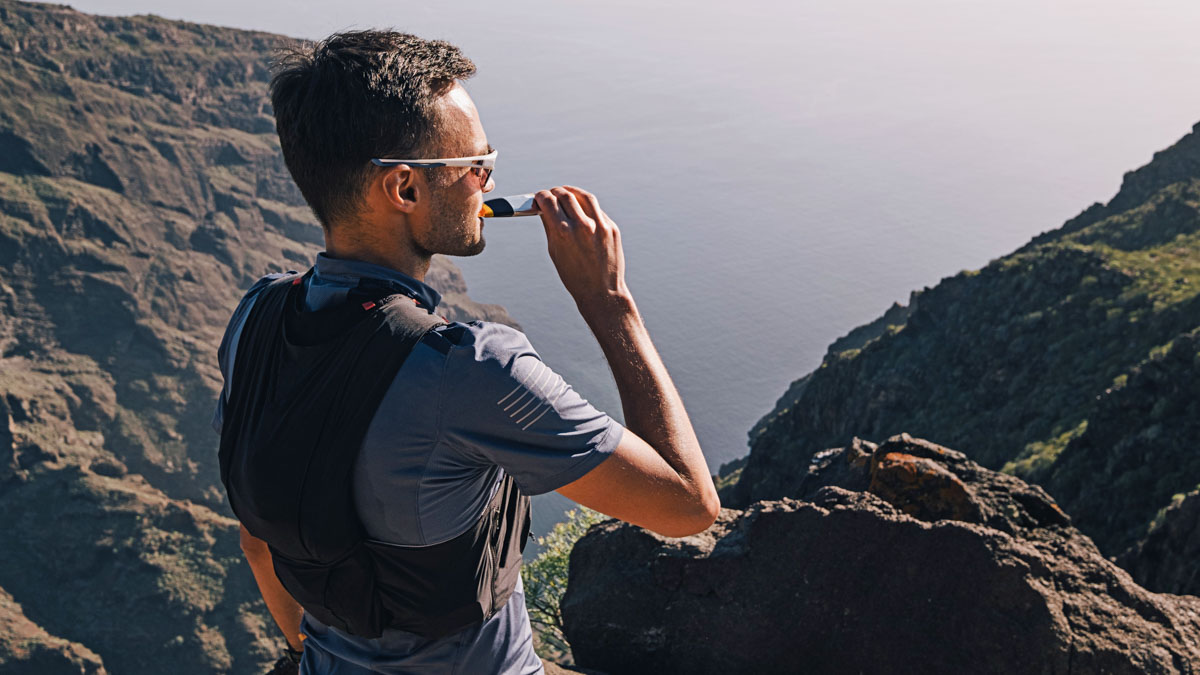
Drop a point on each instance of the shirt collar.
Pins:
(341, 272)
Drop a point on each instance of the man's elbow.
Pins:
(709, 511)
(700, 517)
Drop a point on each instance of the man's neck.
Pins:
(392, 254)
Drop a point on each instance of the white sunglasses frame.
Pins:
(487, 161)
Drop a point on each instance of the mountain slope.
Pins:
(1016, 361)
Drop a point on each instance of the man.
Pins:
(472, 410)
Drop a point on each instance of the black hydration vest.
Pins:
(305, 386)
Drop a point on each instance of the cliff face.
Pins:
(1050, 363)
(141, 190)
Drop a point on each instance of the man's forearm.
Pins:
(652, 406)
(283, 608)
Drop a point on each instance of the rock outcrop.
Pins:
(901, 558)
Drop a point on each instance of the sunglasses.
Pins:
(481, 165)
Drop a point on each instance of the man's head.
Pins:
(365, 94)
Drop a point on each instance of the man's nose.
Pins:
(489, 185)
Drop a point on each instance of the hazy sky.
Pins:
(1057, 73)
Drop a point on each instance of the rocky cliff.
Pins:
(1070, 362)
(900, 558)
(141, 190)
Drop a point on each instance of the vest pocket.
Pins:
(493, 556)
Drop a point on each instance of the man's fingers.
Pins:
(583, 243)
(564, 210)
(574, 210)
(551, 213)
(588, 201)
(579, 191)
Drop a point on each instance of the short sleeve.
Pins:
(502, 405)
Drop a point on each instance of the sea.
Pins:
(781, 171)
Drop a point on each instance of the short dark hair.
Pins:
(353, 96)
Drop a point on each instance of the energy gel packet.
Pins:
(504, 207)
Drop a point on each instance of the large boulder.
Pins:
(905, 557)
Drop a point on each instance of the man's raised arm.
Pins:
(657, 476)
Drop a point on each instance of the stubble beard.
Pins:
(453, 232)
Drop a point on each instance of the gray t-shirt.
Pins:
(472, 402)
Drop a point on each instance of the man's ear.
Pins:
(400, 186)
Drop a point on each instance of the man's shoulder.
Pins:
(269, 278)
(258, 287)
(242, 310)
(477, 359)
(484, 340)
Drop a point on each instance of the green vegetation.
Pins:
(1160, 517)
(545, 580)
(729, 479)
(1040, 455)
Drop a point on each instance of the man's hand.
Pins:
(585, 245)
(288, 664)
